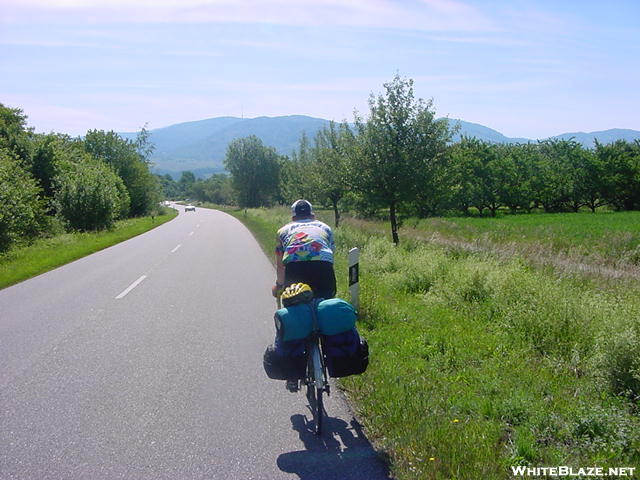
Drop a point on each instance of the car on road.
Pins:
(189, 208)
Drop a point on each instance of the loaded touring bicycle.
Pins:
(315, 339)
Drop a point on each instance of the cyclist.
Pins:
(304, 252)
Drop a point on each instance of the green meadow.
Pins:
(482, 361)
(614, 236)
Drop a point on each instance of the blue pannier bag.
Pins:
(285, 360)
(336, 316)
(296, 322)
(346, 353)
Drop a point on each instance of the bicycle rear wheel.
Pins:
(316, 404)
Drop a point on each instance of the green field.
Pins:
(481, 362)
(614, 236)
(48, 253)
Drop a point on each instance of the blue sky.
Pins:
(526, 68)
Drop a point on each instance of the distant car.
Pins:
(189, 208)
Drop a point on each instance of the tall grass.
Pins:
(48, 253)
(480, 362)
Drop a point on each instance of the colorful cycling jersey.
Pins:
(305, 240)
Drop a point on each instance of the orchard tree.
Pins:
(621, 163)
(329, 171)
(295, 174)
(515, 186)
(397, 147)
(254, 170)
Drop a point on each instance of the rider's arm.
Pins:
(279, 263)
(279, 269)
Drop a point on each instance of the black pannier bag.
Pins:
(346, 353)
(285, 360)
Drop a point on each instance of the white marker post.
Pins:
(354, 273)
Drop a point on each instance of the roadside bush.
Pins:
(90, 196)
(21, 209)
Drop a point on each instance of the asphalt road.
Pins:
(144, 361)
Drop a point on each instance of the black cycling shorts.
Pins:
(317, 274)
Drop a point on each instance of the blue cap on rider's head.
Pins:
(301, 208)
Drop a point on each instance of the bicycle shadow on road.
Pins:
(341, 452)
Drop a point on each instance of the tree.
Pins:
(621, 163)
(329, 171)
(144, 146)
(552, 179)
(398, 144)
(89, 195)
(594, 185)
(123, 156)
(22, 209)
(215, 189)
(480, 171)
(515, 186)
(254, 170)
(168, 186)
(295, 174)
(185, 184)
(14, 134)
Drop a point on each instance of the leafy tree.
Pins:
(329, 170)
(122, 155)
(396, 149)
(185, 184)
(594, 181)
(22, 210)
(254, 170)
(215, 189)
(168, 186)
(515, 185)
(14, 134)
(570, 159)
(295, 174)
(144, 146)
(480, 173)
(89, 195)
(621, 163)
(551, 179)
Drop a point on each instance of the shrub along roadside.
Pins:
(48, 253)
(480, 364)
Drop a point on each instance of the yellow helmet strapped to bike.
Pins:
(296, 293)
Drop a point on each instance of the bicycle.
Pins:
(316, 378)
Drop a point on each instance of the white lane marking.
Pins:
(191, 234)
(131, 287)
(198, 226)
(175, 249)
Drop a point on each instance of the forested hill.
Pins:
(200, 146)
(203, 144)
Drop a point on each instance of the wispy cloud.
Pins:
(433, 15)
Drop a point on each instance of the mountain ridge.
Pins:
(201, 144)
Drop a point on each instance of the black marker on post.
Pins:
(354, 273)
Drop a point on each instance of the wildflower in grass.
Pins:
(455, 420)
(432, 459)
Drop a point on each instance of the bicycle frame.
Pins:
(316, 368)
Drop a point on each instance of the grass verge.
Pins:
(48, 253)
(481, 363)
